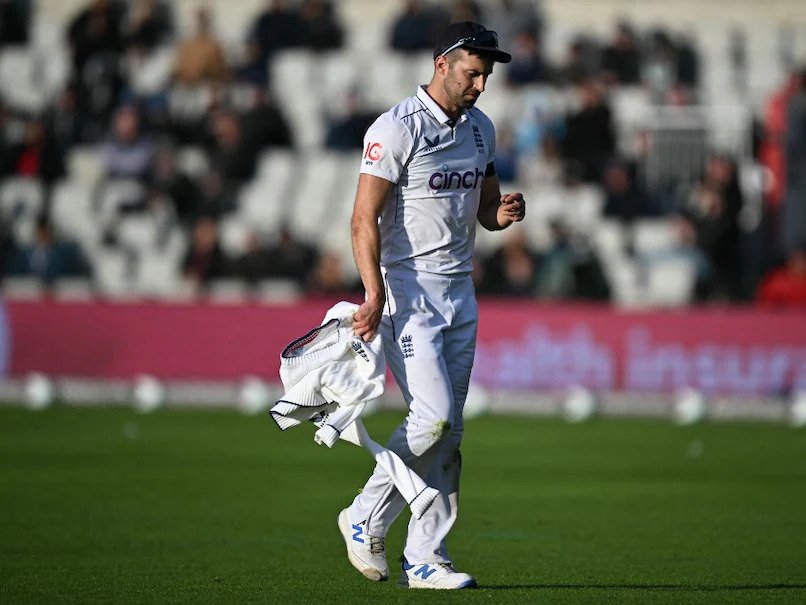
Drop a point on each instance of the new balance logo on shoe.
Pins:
(424, 572)
(441, 576)
(365, 552)
(358, 531)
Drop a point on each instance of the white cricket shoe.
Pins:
(365, 552)
(440, 576)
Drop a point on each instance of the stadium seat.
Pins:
(22, 288)
(192, 161)
(190, 102)
(21, 201)
(22, 81)
(309, 210)
(159, 275)
(670, 283)
(609, 240)
(71, 212)
(624, 278)
(111, 273)
(114, 196)
(279, 168)
(85, 165)
(227, 291)
(20, 197)
(582, 208)
(261, 206)
(394, 76)
(72, 289)
(233, 234)
(137, 232)
(278, 291)
(653, 235)
(151, 75)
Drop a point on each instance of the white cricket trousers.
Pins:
(429, 336)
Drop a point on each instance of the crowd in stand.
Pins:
(107, 103)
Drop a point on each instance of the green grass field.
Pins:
(105, 505)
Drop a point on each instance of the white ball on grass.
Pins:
(689, 407)
(797, 411)
(39, 391)
(579, 405)
(254, 396)
(149, 394)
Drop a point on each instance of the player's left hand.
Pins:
(512, 208)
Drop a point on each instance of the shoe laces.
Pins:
(376, 546)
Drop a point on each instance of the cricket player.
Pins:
(427, 175)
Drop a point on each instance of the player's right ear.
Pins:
(441, 65)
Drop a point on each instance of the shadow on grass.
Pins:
(669, 587)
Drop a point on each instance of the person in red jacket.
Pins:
(785, 286)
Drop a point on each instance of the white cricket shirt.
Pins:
(428, 221)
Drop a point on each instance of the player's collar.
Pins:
(436, 110)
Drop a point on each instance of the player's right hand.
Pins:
(368, 317)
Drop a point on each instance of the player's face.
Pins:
(466, 79)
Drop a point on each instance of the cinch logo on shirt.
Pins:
(455, 180)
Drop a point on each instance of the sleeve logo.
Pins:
(373, 152)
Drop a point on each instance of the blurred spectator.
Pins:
(36, 155)
(715, 205)
(794, 208)
(216, 198)
(265, 125)
(785, 286)
(511, 17)
(95, 30)
(555, 278)
(276, 28)
(200, 58)
(253, 265)
(127, 152)
(347, 131)
(547, 169)
(319, 26)
(570, 270)
(621, 60)
(48, 258)
(182, 192)
(417, 27)
(773, 146)
(95, 41)
(512, 269)
(624, 199)
(327, 276)
(660, 66)
(528, 65)
(577, 67)
(290, 258)
(254, 68)
(68, 126)
(465, 10)
(684, 248)
(688, 62)
(15, 22)
(479, 275)
(231, 157)
(148, 24)
(506, 154)
(204, 260)
(589, 135)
